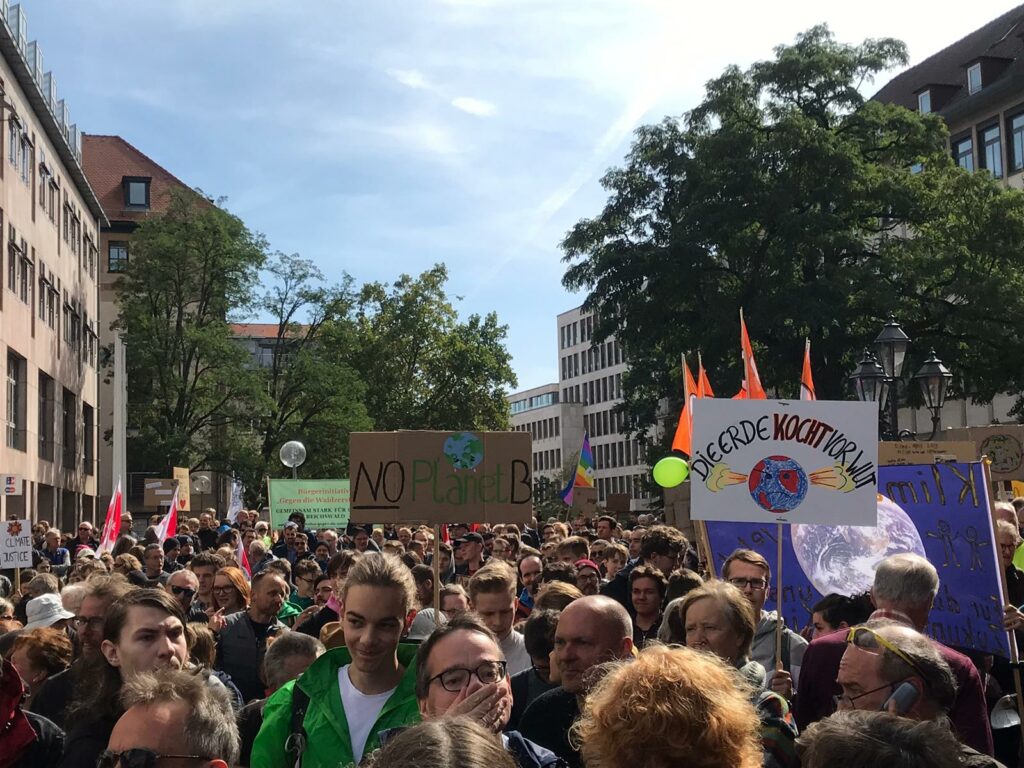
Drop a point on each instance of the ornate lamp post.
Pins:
(293, 454)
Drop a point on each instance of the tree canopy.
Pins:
(788, 194)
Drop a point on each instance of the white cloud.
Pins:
(477, 107)
(411, 78)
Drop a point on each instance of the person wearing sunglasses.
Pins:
(172, 717)
(904, 589)
(183, 586)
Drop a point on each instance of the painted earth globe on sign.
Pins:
(777, 484)
(464, 450)
(842, 559)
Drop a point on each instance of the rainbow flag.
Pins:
(584, 471)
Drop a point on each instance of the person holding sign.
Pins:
(904, 590)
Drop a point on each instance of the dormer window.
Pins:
(136, 192)
(974, 78)
(924, 102)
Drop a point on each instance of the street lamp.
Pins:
(293, 454)
(877, 380)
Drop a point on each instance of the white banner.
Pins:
(785, 461)
(15, 544)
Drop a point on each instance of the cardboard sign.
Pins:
(15, 544)
(777, 461)
(13, 485)
(896, 454)
(325, 503)
(617, 502)
(1003, 444)
(939, 511)
(438, 477)
(181, 477)
(584, 501)
(157, 492)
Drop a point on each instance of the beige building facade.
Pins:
(49, 222)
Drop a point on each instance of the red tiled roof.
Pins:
(108, 159)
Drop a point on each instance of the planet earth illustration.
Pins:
(1005, 451)
(777, 484)
(464, 450)
(842, 559)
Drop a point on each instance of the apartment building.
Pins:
(130, 187)
(977, 86)
(49, 224)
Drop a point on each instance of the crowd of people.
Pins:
(556, 644)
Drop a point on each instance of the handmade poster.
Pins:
(182, 478)
(15, 544)
(438, 477)
(939, 511)
(325, 503)
(1003, 444)
(777, 461)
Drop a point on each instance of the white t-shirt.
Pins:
(516, 657)
(361, 711)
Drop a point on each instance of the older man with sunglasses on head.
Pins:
(904, 589)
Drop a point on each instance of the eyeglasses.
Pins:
(228, 588)
(868, 640)
(137, 758)
(93, 622)
(758, 585)
(851, 700)
(454, 680)
(183, 590)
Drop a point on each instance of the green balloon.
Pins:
(671, 471)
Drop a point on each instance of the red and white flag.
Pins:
(169, 525)
(242, 557)
(112, 525)
(806, 380)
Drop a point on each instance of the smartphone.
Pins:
(905, 696)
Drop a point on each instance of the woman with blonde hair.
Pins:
(669, 707)
(125, 564)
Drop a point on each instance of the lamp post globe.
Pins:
(292, 455)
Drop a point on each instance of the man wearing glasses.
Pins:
(460, 670)
(904, 589)
(750, 573)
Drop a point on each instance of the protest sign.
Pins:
(15, 544)
(325, 503)
(895, 453)
(939, 511)
(181, 477)
(775, 461)
(584, 501)
(12, 485)
(1003, 444)
(438, 477)
(157, 492)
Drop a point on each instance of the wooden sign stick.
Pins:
(778, 599)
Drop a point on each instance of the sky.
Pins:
(380, 137)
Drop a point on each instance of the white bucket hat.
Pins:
(45, 611)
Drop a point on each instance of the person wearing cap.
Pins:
(471, 547)
(172, 548)
(186, 549)
(588, 577)
(47, 611)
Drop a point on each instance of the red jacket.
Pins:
(817, 685)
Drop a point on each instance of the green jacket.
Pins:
(328, 743)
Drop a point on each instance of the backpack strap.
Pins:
(295, 744)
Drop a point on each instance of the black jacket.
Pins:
(312, 626)
(547, 721)
(48, 747)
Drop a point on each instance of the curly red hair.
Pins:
(670, 707)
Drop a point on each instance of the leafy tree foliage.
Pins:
(787, 194)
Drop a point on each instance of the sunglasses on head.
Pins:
(137, 758)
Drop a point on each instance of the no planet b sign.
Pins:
(783, 461)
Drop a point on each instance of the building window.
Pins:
(51, 307)
(15, 401)
(13, 141)
(46, 392)
(117, 257)
(1017, 142)
(42, 294)
(963, 153)
(136, 192)
(992, 151)
(26, 160)
(69, 429)
(924, 102)
(23, 274)
(974, 78)
(87, 437)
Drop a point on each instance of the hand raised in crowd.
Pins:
(217, 621)
(1012, 618)
(781, 682)
(490, 706)
(306, 615)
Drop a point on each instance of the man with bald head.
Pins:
(591, 631)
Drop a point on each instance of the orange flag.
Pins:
(751, 378)
(806, 380)
(703, 385)
(683, 440)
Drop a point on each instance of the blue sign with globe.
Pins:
(778, 484)
(464, 450)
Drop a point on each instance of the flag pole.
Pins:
(778, 599)
(437, 574)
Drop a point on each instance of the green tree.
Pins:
(424, 368)
(788, 194)
(190, 385)
(314, 394)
